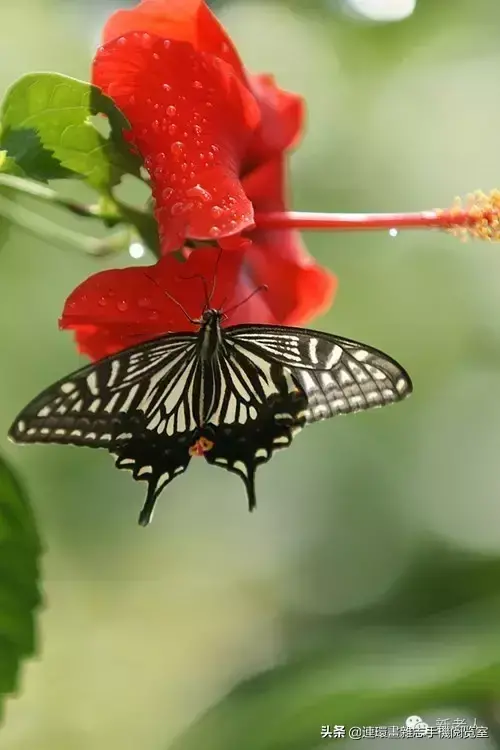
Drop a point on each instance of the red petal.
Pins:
(298, 287)
(191, 120)
(183, 20)
(282, 118)
(115, 309)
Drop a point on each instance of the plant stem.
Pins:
(41, 192)
(51, 232)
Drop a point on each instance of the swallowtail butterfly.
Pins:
(233, 395)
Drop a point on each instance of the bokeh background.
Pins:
(367, 584)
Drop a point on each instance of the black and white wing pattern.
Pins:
(337, 375)
(137, 404)
(233, 395)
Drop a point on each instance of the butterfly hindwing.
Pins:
(240, 448)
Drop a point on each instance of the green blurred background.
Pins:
(377, 536)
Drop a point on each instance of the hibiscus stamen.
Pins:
(478, 217)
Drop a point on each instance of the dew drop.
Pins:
(156, 56)
(214, 231)
(102, 302)
(166, 43)
(173, 177)
(167, 193)
(172, 128)
(122, 305)
(144, 302)
(192, 175)
(171, 110)
(154, 315)
(209, 105)
(160, 158)
(197, 129)
(166, 87)
(393, 232)
(155, 125)
(197, 85)
(122, 41)
(184, 167)
(210, 156)
(156, 106)
(177, 209)
(198, 192)
(214, 148)
(131, 99)
(216, 211)
(197, 143)
(177, 149)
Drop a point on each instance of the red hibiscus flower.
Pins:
(213, 139)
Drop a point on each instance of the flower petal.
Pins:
(191, 120)
(183, 20)
(298, 287)
(115, 309)
(282, 120)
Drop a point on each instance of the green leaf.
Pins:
(47, 129)
(365, 678)
(19, 577)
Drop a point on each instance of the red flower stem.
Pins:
(334, 221)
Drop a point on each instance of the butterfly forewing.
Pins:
(338, 375)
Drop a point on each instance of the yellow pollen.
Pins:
(477, 217)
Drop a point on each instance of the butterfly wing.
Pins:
(136, 404)
(338, 375)
(242, 443)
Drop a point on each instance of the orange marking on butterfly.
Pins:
(201, 446)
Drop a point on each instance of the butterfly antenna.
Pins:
(205, 288)
(261, 288)
(164, 291)
(214, 280)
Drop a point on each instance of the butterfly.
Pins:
(233, 395)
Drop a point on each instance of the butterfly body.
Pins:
(233, 395)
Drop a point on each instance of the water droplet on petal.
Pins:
(171, 110)
(198, 192)
(214, 231)
(177, 209)
(197, 85)
(131, 99)
(156, 56)
(216, 211)
(166, 43)
(144, 302)
(166, 87)
(156, 106)
(161, 157)
(172, 128)
(155, 125)
(393, 232)
(167, 193)
(122, 41)
(103, 302)
(122, 305)
(177, 149)
(210, 156)
(197, 129)
(154, 315)
(184, 167)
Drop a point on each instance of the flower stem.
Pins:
(52, 232)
